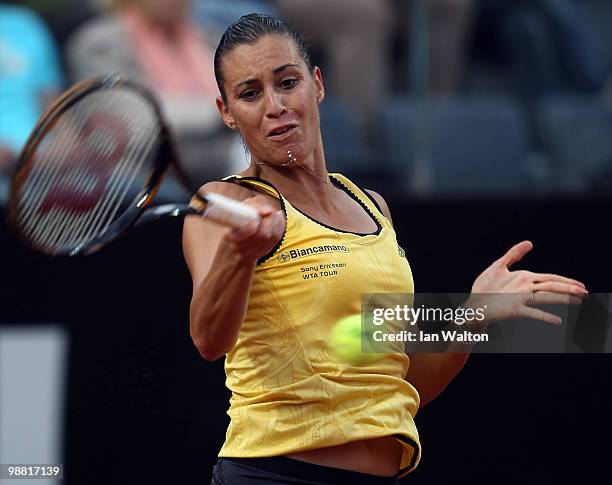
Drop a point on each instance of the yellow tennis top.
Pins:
(289, 394)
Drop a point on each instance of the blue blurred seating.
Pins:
(600, 13)
(345, 150)
(455, 147)
(4, 189)
(577, 132)
(216, 15)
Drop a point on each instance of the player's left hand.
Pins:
(524, 289)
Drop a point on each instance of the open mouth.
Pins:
(282, 131)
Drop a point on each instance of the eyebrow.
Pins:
(276, 71)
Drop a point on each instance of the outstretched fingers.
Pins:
(515, 253)
(541, 298)
(559, 287)
(542, 277)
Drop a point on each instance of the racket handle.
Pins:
(229, 211)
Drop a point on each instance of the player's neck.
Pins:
(308, 172)
(298, 182)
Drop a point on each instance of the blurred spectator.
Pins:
(549, 45)
(450, 26)
(155, 42)
(433, 35)
(354, 37)
(29, 77)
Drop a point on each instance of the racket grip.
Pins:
(229, 211)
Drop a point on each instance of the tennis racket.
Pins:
(73, 189)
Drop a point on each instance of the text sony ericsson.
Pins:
(412, 315)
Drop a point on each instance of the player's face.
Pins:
(273, 98)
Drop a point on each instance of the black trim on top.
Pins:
(353, 196)
(239, 178)
(277, 246)
(338, 183)
(369, 196)
(415, 455)
(280, 242)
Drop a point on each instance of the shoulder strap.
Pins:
(255, 183)
(360, 193)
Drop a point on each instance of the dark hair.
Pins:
(247, 30)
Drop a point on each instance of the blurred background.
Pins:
(482, 122)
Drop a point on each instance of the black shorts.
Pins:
(281, 470)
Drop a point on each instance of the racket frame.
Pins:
(138, 210)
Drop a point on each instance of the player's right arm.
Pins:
(222, 262)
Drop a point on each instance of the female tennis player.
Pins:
(267, 295)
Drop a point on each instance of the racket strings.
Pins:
(103, 214)
(81, 173)
(60, 179)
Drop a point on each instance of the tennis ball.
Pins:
(345, 341)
